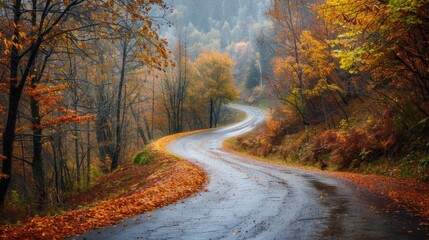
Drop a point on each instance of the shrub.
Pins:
(348, 147)
(323, 144)
(143, 157)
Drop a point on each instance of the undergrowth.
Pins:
(144, 157)
(365, 143)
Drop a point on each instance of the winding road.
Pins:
(247, 199)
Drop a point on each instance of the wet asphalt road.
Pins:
(247, 199)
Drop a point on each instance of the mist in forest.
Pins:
(88, 87)
(219, 25)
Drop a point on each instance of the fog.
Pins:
(219, 25)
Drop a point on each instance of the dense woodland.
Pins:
(352, 80)
(86, 84)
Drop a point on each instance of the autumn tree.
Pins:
(218, 86)
(254, 75)
(141, 44)
(30, 30)
(195, 105)
(307, 76)
(384, 44)
(192, 88)
(290, 18)
(326, 84)
(24, 40)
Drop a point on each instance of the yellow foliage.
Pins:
(215, 71)
(318, 63)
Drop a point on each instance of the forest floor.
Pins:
(409, 194)
(128, 191)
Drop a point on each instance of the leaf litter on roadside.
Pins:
(165, 186)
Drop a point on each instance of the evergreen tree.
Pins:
(253, 76)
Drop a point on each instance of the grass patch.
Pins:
(144, 157)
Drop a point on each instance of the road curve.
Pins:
(246, 199)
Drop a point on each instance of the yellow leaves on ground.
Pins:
(178, 180)
(161, 144)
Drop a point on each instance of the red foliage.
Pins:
(355, 145)
(350, 147)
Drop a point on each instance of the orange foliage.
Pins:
(4, 176)
(409, 194)
(177, 181)
(39, 91)
(69, 119)
(358, 144)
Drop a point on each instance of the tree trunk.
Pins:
(139, 127)
(57, 172)
(15, 92)
(37, 164)
(216, 112)
(88, 159)
(102, 131)
(8, 139)
(115, 159)
(76, 141)
(211, 112)
(17, 86)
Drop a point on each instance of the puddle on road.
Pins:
(336, 207)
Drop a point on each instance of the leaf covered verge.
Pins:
(136, 189)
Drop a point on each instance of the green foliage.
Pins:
(15, 198)
(405, 11)
(16, 209)
(96, 171)
(253, 77)
(144, 157)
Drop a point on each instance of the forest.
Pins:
(351, 80)
(87, 84)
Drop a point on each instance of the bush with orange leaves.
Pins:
(269, 138)
(348, 148)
